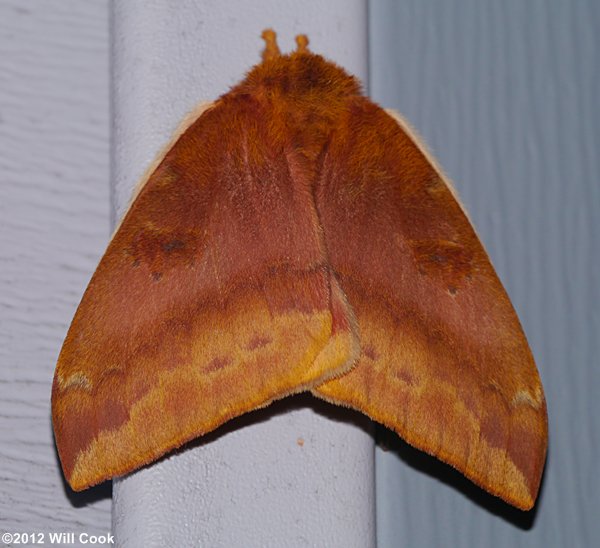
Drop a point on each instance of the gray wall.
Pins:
(54, 224)
(504, 94)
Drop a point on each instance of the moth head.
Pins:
(299, 73)
(272, 50)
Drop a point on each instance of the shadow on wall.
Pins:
(79, 499)
(389, 441)
(279, 407)
(386, 439)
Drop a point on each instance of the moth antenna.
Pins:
(302, 42)
(271, 50)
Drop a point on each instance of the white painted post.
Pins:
(301, 472)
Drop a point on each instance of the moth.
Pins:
(296, 236)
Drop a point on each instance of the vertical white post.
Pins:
(301, 472)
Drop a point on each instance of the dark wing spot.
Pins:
(258, 341)
(172, 245)
(370, 353)
(218, 363)
(404, 376)
(442, 258)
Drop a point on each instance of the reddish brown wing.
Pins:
(444, 360)
(213, 298)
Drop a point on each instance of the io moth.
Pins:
(296, 236)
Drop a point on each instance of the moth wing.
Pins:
(213, 298)
(444, 361)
